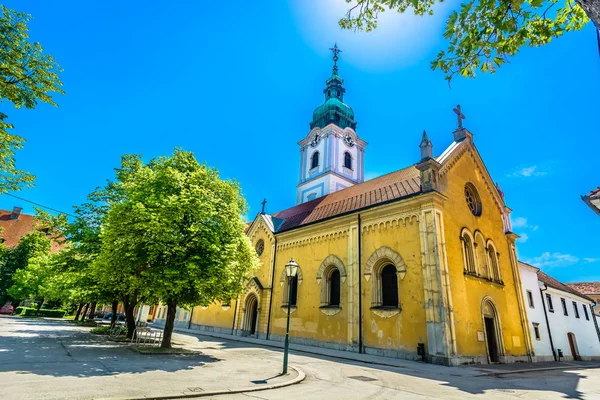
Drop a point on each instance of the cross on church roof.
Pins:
(459, 115)
(264, 203)
(335, 50)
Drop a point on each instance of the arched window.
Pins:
(260, 247)
(468, 252)
(314, 161)
(389, 286)
(493, 262)
(334, 288)
(481, 256)
(347, 160)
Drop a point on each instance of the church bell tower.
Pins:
(332, 154)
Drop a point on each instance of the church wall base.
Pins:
(342, 346)
(402, 354)
(207, 328)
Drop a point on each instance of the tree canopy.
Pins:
(483, 34)
(27, 76)
(31, 247)
(177, 234)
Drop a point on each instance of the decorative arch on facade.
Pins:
(331, 262)
(492, 256)
(489, 310)
(481, 258)
(468, 247)
(325, 276)
(253, 289)
(381, 258)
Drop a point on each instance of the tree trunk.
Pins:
(40, 304)
(92, 312)
(592, 9)
(169, 324)
(15, 303)
(78, 311)
(129, 316)
(85, 310)
(113, 317)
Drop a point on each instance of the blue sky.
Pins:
(237, 85)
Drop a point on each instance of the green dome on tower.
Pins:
(334, 110)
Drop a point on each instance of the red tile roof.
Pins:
(553, 283)
(13, 229)
(589, 288)
(594, 194)
(393, 186)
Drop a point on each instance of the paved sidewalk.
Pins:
(518, 368)
(413, 366)
(55, 359)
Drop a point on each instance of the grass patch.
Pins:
(86, 323)
(101, 330)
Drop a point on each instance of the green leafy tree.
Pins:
(483, 34)
(77, 278)
(27, 76)
(177, 234)
(31, 281)
(32, 245)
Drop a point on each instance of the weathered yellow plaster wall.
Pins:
(468, 292)
(214, 315)
(405, 330)
(308, 321)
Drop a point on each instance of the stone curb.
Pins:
(523, 371)
(301, 376)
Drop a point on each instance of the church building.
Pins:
(417, 263)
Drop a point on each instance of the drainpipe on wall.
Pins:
(272, 285)
(360, 310)
(543, 285)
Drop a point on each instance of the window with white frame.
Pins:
(549, 302)
(530, 299)
(536, 331)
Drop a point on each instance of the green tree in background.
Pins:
(177, 234)
(27, 76)
(483, 34)
(32, 245)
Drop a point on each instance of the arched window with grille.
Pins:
(347, 160)
(314, 161)
(468, 252)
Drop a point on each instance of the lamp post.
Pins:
(291, 269)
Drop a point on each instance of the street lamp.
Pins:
(291, 269)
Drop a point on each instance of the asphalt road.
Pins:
(41, 359)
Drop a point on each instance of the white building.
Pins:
(561, 320)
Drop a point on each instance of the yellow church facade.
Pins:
(418, 263)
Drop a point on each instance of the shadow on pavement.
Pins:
(60, 348)
(559, 381)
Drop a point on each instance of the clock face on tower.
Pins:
(348, 139)
(315, 140)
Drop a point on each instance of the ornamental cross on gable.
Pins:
(459, 115)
